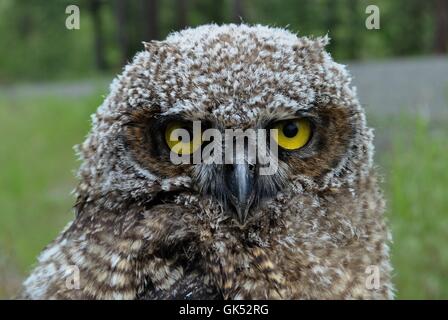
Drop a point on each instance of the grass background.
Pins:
(37, 176)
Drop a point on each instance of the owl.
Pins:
(148, 227)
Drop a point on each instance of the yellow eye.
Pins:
(180, 139)
(292, 134)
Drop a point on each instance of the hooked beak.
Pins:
(240, 180)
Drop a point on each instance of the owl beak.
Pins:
(240, 180)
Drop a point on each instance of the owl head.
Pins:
(230, 78)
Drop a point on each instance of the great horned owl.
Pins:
(146, 228)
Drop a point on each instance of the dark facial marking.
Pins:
(332, 132)
(144, 134)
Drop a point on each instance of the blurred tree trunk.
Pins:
(121, 14)
(332, 21)
(355, 26)
(150, 8)
(413, 37)
(216, 12)
(303, 14)
(238, 11)
(409, 37)
(441, 32)
(182, 13)
(95, 11)
(25, 25)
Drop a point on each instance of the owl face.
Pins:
(237, 79)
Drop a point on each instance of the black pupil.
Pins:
(290, 129)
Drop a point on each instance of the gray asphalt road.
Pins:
(63, 88)
(410, 85)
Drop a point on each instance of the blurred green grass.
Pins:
(416, 186)
(36, 177)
